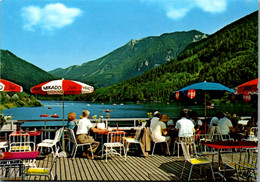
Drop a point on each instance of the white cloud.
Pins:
(50, 17)
(212, 6)
(176, 13)
(177, 9)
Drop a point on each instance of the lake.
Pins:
(125, 110)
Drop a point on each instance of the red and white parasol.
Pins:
(250, 87)
(8, 86)
(62, 87)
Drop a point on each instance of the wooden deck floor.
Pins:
(135, 168)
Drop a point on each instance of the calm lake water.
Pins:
(125, 110)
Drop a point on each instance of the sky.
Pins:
(60, 33)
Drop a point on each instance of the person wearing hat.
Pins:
(160, 130)
(84, 126)
(154, 120)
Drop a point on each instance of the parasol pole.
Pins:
(205, 112)
(63, 140)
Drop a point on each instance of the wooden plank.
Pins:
(136, 168)
(115, 163)
(141, 173)
(110, 165)
(104, 170)
(129, 171)
(81, 169)
(92, 169)
(99, 171)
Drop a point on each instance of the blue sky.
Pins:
(52, 34)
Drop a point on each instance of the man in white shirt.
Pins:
(184, 126)
(84, 126)
(225, 125)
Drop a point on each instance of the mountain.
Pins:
(130, 60)
(22, 72)
(229, 57)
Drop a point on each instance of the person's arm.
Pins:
(95, 130)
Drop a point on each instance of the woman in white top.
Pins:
(160, 130)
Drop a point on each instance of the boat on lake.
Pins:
(55, 116)
(44, 115)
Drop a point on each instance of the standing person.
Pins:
(154, 120)
(84, 126)
(72, 123)
(184, 126)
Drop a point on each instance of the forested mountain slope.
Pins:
(229, 57)
(22, 72)
(130, 60)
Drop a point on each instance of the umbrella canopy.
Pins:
(8, 86)
(62, 87)
(190, 91)
(207, 86)
(250, 87)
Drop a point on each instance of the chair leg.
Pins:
(91, 151)
(127, 148)
(153, 147)
(190, 172)
(52, 176)
(168, 148)
(75, 151)
(178, 150)
(183, 170)
(211, 167)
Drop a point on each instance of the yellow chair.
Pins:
(193, 161)
(47, 172)
(12, 170)
(246, 166)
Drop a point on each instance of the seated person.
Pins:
(159, 132)
(84, 126)
(251, 123)
(193, 115)
(154, 120)
(72, 123)
(225, 125)
(214, 120)
(184, 126)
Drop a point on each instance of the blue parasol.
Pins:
(206, 87)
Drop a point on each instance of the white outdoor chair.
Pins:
(189, 139)
(114, 141)
(50, 143)
(187, 147)
(203, 150)
(134, 140)
(4, 145)
(24, 147)
(73, 140)
(47, 172)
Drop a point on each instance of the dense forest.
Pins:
(229, 57)
(19, 71)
